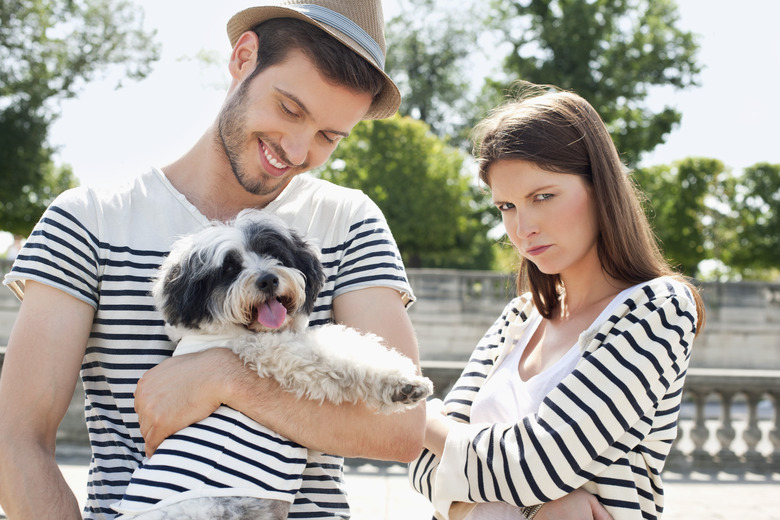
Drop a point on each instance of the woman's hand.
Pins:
(577, 505)
(436, 427)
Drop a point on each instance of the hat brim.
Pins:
(386, 103)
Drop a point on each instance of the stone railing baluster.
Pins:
(677, 459)
(699, 446)
(774, 433)
(752, 433)
(725, 432)
(700, 434)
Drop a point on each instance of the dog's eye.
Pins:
(231, 265)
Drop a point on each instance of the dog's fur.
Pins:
(219, 281)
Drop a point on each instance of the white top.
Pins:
(505, 397)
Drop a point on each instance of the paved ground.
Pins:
(383, 493)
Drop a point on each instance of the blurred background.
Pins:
(96, 91)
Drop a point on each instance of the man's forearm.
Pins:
(349, 430)
(32, 486)
(166, 404)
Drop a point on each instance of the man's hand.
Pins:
(577, 505)
(186, 389)
(181, 391)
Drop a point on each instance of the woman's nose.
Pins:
(525, 226)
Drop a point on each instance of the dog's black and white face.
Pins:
(250, 274)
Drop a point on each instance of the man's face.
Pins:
(285, 121)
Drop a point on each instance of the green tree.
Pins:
(19, 215)
(611, 52)
(685, 200)
(51, 48)
(429, 46)
(749, 236)
(436, 214)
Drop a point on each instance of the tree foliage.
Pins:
(51, 48)
(684, 202)
(419, 183)
(701, 211)
(611, 52)
(19, 215)
(430, 44)
(749, 236)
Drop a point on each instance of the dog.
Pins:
(250, 285)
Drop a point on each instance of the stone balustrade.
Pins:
(455, 308)
(729, 420)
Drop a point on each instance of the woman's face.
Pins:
(549, 217)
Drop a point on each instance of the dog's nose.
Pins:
(268, 283)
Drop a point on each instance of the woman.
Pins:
(577, 385)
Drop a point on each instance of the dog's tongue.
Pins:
(271, 314)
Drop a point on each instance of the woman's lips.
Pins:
(537, 250)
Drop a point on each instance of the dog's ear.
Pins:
(307, 261)
(184, 291)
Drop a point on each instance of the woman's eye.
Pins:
(542, 197)
(506, 206)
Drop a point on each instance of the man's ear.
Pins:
(244, 56)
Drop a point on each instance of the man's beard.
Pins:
(232, 137)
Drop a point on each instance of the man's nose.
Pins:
(296, 148)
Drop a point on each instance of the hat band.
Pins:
(340, 22)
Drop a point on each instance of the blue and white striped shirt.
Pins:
(104, 248)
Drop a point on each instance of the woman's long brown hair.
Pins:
(562, 133)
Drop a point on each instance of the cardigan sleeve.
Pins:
(457, 405)
(594, 417)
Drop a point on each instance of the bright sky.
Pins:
(110, 136)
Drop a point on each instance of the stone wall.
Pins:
(742, 329)
(455, 308)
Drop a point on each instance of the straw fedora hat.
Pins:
(358, 24)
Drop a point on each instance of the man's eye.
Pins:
(287, 110)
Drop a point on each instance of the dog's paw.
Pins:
(412, 391)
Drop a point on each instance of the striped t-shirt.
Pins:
(104, 247)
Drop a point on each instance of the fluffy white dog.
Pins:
(250, 285)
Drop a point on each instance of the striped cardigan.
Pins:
(607, 427)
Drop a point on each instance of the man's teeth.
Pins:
(272, 160)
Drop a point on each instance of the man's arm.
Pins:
(39, 375)
(218, 376)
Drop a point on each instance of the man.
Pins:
(302, 76)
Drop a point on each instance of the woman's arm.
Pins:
(422, 471)
(595, 417)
